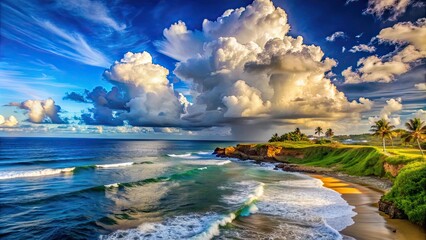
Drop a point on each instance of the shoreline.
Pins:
(369, 223)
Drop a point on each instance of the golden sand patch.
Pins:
(337, 185)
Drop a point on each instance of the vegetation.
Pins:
(409, 192)
(416, 132)
(318, 131)
(383, 129)
(329, 133)
(294, 136)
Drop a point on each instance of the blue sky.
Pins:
(53, 48)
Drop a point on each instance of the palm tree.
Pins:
(383, 129)
(318, 131)
(416, 131)
(329, 133)
(274, 138)
(297, 131)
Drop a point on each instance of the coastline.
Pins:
(369, 223)
(353, 172)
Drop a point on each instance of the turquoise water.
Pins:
(122, 189)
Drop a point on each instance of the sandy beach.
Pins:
(370, 224)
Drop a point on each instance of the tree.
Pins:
(318, 131)
(416, 132)
(383, 129)
(274, 138)
(297, 131)
(329, 133)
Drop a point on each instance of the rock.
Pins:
(280, 165)
(392, 169)
(390, 209)
(220, 152)
(230, 151)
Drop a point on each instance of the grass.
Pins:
(360, 160)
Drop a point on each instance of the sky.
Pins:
(215, 70)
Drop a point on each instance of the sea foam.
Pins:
(306, 201)
(114, 165)
(34, 173)
(185, 155)
(194, 226)
(208, 162)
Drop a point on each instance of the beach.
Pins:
(370, 224)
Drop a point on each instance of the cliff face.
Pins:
(393, 170)
(255, 152)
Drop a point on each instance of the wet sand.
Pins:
(370, 224)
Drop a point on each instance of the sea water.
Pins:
(53, 188)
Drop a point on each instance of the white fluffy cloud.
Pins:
(410, 37)
(395, 8)
(41, 111)
(152, 99)
(420, 86)
(245, 101)
(334, 36)
(11, 121)
(392, 105)
(420, 114)
(243, 65)
(362, 48)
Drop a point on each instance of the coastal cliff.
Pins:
(351, 160)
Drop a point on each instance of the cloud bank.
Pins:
(41, 111)
(243, 69)
(11, 121)
(410, 39)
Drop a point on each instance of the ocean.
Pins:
(58, 188)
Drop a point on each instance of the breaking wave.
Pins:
(192, 226)
(35, 173)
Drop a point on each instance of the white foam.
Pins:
(113, 185)
(306, 201)
(192, 226)
(202, 168)
(186, 155)
(204, 153)
(208, 162)
(114, 165)
(244, 193)
(34, 173)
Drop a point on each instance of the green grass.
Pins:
(409, 192)
(360, 161)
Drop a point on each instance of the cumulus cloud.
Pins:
(410, 39)
(394, 8)
(420, 114)
(392, 105)
(362, 48)
(243, 69)
(335, 35)
(420, 86)
(254, 72)
(142, 95)
(41, 111)
(11, 121)
(152, 98)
